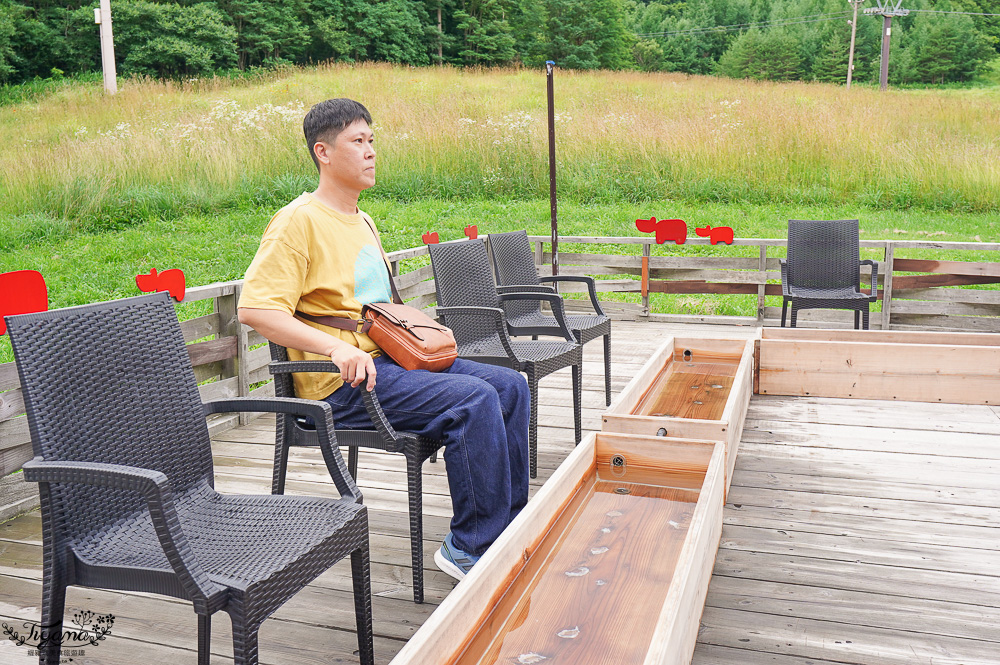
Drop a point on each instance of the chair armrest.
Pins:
(155, 488)
(370, 399)
(874, 265)
(784, 277)
(518, 288)
(554, 299)
(583, 279)
(289, 366)
(322, 416)
(494, 314)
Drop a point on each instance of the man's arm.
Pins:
(284, 329)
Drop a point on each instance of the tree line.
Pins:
(760, 39)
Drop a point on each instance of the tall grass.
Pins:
(167, 149)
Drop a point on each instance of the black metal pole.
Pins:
(549, 66)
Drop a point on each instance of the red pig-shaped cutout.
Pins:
(171, 281)
(717, 234)
(665, 229)
(430, 238)
(472, 232)
(22, 292)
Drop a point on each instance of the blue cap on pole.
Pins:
(550, 62)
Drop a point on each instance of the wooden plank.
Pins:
(697, 286)
(925, 617)
(944, 294)
(11, 404)
(13, 458)
(948, 267)
(259, 358)
(975, 589)
(632, 393)
(208, 371)
(958, 323)
(882, 336)
(411, 278)
(17, 496)
(212, 350)
(253, 337)
(926, 281)
(14, 433)
(202, 326)
(220, 389)
(887, 285)
(8, 376)
(808, 638)
(939, 308)
(195, 293)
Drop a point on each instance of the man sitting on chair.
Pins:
(319, 255)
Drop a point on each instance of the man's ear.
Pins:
(322, 151)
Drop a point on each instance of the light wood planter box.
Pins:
(571, 580)
(633, 412)
(957, 368)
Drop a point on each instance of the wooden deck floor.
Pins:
(856, 532)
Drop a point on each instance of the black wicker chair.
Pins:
(469, 304)
(823, 269)
(292, 431)
(123, 460)
(514, 266)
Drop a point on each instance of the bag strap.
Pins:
(344, 323)
(392, 285)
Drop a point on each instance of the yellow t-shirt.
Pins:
(321, 262)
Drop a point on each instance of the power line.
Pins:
(937, 11)
(742, 26)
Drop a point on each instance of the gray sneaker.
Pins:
(452, 560)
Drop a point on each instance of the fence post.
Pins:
(645, 278)
(761, 288)
(887, 286)
(230, 326)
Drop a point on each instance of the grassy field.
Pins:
(94, 190)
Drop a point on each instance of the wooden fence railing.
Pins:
(230, 358)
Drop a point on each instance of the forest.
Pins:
(939, 42)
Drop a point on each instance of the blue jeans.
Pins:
(480, 412)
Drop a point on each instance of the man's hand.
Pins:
(355, 365)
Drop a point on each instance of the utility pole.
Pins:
(886, 10)
(854, 31)
(549, 68)
(102, 17)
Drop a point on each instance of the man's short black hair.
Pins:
(327, 119)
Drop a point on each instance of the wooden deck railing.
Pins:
(230, 358)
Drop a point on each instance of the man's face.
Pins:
(350, 161)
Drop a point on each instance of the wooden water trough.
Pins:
(694, 388)
(609, 563)
(953, 367)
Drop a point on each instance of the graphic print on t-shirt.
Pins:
(371, 279)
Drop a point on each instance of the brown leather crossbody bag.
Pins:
(407, 335)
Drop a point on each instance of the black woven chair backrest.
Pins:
(462, 274)
(514, 264)
(111, 383)
(463, 277)
(823, 253)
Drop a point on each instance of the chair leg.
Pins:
(434, 457)
(784, 311)
(864, 316)
(415, 484)
(280, 466)
(53, 607)
(533, 426)
(857, 319)
(352, 462)
(204, 639)
(795, 313)
(245, 641)
(361, 572)
(577, 400)
(607, 370)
